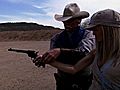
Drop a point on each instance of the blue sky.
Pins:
(42, 11)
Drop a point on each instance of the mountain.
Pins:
(23, 31)
(23, 26)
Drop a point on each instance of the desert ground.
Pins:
(17, 72)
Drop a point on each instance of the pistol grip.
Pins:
(43, 65)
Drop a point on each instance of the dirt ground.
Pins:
(17, 72)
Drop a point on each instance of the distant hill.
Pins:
(23, 26)
(23, 31)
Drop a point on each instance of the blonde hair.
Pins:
(108, 48)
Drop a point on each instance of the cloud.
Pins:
(32, 14)
(91, 6)
(43, 11)
(19, 1)
(38, 7)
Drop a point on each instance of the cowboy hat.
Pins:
(105, 17)
(71, 11)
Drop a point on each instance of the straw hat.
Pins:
(71, 11)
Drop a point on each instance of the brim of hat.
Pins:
(61, 18)
(90, 27)
(81, 15)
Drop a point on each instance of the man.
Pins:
(68, 47)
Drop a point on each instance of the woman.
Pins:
(105, 25)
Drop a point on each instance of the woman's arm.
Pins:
(80, 65)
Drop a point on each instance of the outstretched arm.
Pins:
(80, 65)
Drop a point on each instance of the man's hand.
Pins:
(47, 57)
(50, 55)
(37, 60)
